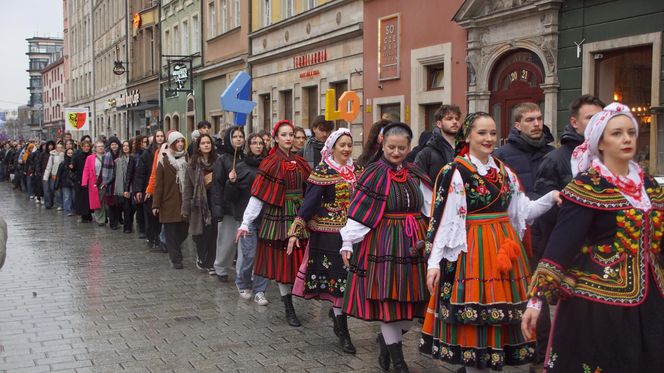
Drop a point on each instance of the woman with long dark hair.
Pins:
(372, 147)
(122, 196)
(197, 201)
(139, 145)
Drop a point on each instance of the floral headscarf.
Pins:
(347, 171)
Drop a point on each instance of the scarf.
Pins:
(347, 171)
(199, 195)
(179, 162)
(535, 143)
(120, 174)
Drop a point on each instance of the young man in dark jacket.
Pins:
(439, 150)
(527, 144)
(313, 146)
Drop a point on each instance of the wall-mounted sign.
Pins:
(349, 106)
(77, 119)
(309, 74)
(236, 98)
(179, 76)
(309, 59)
(389, 39)
(137, 20)
(130, 98)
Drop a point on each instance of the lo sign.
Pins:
(349, 106)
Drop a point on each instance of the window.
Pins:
(286, 98)
(185, 37)
(167, 41)
(310, 4)
(236, 13)
(266, 111)
(224, 15)
(176, 40)
(289, 8)
(195, 37)
(212, 17)
(435, 77)
(311, 97)
(267, 12)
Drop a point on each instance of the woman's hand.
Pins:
(125, 194)
(345, 256)
(232, 176)
(207, 179)
(433, 277)
(293, 241)
(155, 212)
(556, 197)
(529, 322)
(241, 232)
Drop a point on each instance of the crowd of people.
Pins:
(477, 241)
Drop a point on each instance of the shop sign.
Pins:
(180, 78)
(349, 106)
(309, 74)
(310, 59)
(389, 39)
(130, 98)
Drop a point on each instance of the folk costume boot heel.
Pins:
(335, 327)
(291, 317)
(384, 354)
(344, 335)
(396, 354)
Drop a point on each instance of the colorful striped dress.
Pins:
(387, 277)
(324, 212)
(479, 216)
(279, 185)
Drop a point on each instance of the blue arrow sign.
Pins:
(236, 98)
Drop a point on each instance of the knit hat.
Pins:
(173, 137)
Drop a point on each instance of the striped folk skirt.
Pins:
(271, 260)
(387, 277)
(474, 317)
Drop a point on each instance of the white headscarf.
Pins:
(585, 153)
(347, 171)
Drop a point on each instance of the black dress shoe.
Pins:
(222, 278)
(114, 228)
(127, 231)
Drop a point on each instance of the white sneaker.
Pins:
(59, 209)
(32, 197)
(260, 299)
(245, 293)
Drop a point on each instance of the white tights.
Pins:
(392, 331)
(285, 289)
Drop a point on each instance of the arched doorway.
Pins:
(191, 114)
(516, 78)
(176, 123)
(167, 122)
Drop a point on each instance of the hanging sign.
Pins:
(77, 119)
(349, 106)
(236, 98)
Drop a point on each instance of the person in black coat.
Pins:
(81, 202)
(140, 145)
(439, 150)
(421, 143)
(141, 179)
(527, 144)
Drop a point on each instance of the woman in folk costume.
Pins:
(276, 194)
(478, 268)
(386, 279)
(604, 262)
(323, 213)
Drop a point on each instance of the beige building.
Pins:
(299, 49)
(78, 64)
(226, 26)
(53, 78)
(110, 45)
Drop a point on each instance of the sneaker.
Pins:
(70, 214)
(59, 209)
(260, 299)
(32, 197)
(212, 272)
(199, 265)
(246, 294)
(42, 202)
(222, 278)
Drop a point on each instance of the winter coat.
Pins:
(523, 158)
(192, 207)
(54, 160)
(66, 176)
(142, 172)
(131, 172)
(167, 196)
(421, 143)
(3, 241)
(81, 196)
(91, 180)
(436, 153)
(225, 194)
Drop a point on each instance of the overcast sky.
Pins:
(22, 19)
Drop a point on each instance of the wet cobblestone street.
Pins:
(82, 298)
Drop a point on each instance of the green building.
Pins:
(613, 49)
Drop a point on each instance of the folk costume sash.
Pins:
(269, 185)
(373, 187)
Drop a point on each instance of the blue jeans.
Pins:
(49, 193)
(245, 263)
(68, 200)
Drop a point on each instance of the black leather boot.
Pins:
(396, 354)
(344, 337)
(384, 354)
(291, 317)
(336, 323)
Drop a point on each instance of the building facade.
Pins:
(298, 50)
(110, 45)
(78, 58)
(617, 56)
(512, 47)
(181, 85)
(226, 26)
(414, 61)
(143, 116)
(53, 78)
(40, 53)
